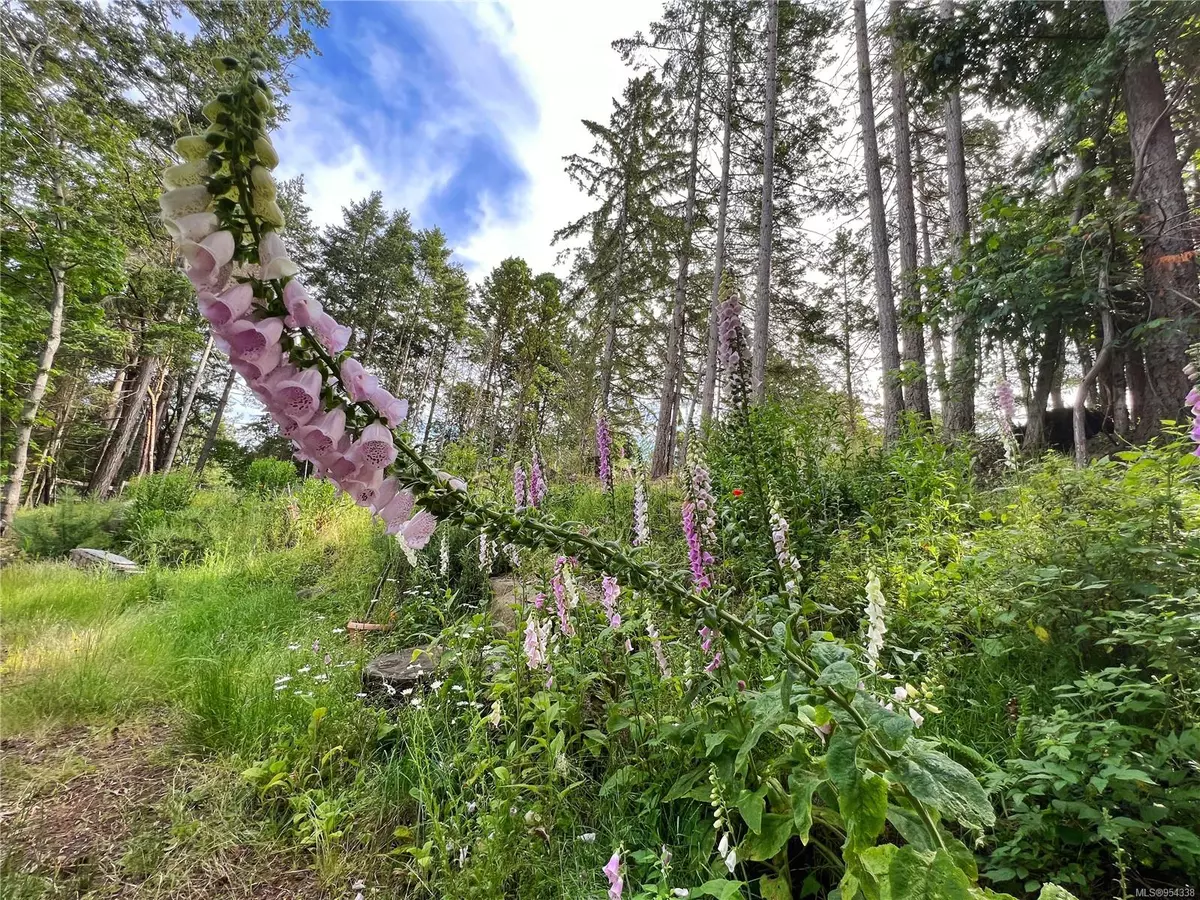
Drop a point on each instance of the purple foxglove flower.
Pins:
(706, 506)
(604, 449)
(246, 340)
(320, 436)
(273, 258)
(612, 871)
(518, 487)
(1005, 400)
(611, 590)
(193, 228)
(375, 447)
(641, 513)
(731, 348)
(714, 664)
(419, 529)
(363, 487)
(224, 309)
(332, 336)
(537, 481)
(298, 397)
(696, 555)
(303, 310)
(206, 258)
(706, 638)
(398, 511)
(393, 410)
(260, 367)
(357, 381)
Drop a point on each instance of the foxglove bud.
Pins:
(265, 151)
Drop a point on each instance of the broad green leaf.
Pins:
(926, 876)
(864, 809)
(767, 713)
(840, 675)
(936, 779)
(802, 791)
(877, 860)
(751, 804)
(719, 888)
(1055, 892)
(776, 829)
(892, 728)
(840, 758)
(685, 784)
(826, 653)
(774, 888)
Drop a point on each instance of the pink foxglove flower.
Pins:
(697, 557)
(298, 397)
(610, 591)
(303, 310)
(193, 228)
(247, 339)
(357, 381)
(788, 564)
(706, 638)
(332, 336)
(393, 410)
(706, 506)
(1005, 401)
(731, 350)
(322, 433)
(375, 447)
(419, 529)
(641, 513)
(537, 481)
(1193, 400)
(714, 663)
(612, 871)
(537, 642)
(207, 258)
(273, 258)
(262, 365)
(363, 486)
(559, 584)
(518, 487)
(656, 645)
(604, 450)
(222, 310)
(397, 512)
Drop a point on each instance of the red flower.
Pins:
(737, 492)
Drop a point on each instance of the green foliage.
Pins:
(270, 476)
(49, 532)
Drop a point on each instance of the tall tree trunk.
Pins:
(156, 411)
(710, 358)
(210, 439)
(959, 415)
(437, 385)
(33, 400)
(1060, 371)
(916, 384)
(1168, 249)
(937, 341)
(664, 437)
(41, 486)
(1109, 333)
(893, 398)
(762, 302)
(116, 396)
(114, 457)
(1035, 426)
(185, 409)
(847, 360)
(614, 307)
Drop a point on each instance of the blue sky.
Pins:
(459, 112)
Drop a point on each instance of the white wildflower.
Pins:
(876, 626)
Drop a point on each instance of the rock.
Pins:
(504, 598)
(87, 558)
(401, 670)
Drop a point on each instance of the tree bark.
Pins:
(959, 415)
(710, 360)
(114, 457)
(41, 486)
(437, 385)
(1168, 250)
(185, 409)
(762, 302)
(33, 400)
(214, 429)
(1035, 426)
(664, 438)
(614, 307)
(893, 398)
(936, 340)
(1109, 332)
(916, 384)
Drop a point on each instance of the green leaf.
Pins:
(1055, 892)
(776, 829)
(936, 779)
(840, 758)
(685, 784)
(839, 675)
(892, 728)
(864, 809)
(925, 876)
(803, 787)
(774, 888)
(714, 739)
(719, 888)
(751, 804)
(827, 653)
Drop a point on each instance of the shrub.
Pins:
(54, 531)
(270, 476)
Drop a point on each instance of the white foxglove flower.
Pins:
(876, 626)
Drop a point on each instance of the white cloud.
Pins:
(563, 52)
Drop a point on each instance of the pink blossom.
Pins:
(393, 410)
(398, 510)
(357, 381)
(320, 436)
(537, 481)
(714, 664)
(332, 336)
(263, 364)
(419, 529)
(363, 487)
(375, 448)
(248, 339)
(298, 397)
(611, 591)
(227, 307)
(272, 256)
(302, 309)
(518, 487)
(537, 642)
(192, 228)
(206, 258)
(612, 871)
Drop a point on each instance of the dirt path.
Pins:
(101, 814)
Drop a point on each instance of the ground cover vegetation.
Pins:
(778, 640)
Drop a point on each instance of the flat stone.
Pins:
(86, 557)
(504, 599)
(400, 670)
